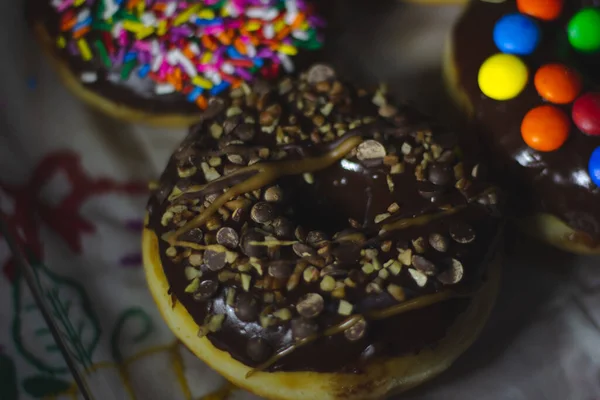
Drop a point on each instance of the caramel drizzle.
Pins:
(421, 220)
(266, 173)
(410, 305)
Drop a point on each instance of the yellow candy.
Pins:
(61, 42)
(288, 49)
(162, 28)
(203, 83)
(133, 26)
(145, 32)
(77, 3)
(206, 14)
(279, 25)
(206, 58)
(502, 76)
(253, 26)
(84, 49)
(185, 16)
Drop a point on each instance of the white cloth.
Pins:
(72, 190)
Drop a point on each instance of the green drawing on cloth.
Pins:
(8, 379)
(133, 322)
(41, 386)
(72, 313)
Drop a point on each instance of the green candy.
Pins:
(584, 30)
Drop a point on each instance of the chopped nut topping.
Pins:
(246, 279)
(308, 178)
(327, 283)
(167, 216)
(383, 274)
(283, 314)
(393, 208)
(368, 268)
(193, 285)
(386, 246)
(419, 245)
(373, 287)
(395, 268)
(397, 292)
(340, 291)
(419, 277)
(345, 308)
(310, 274)
(191, 273)
(405, 256)
(171, 252)
(381, 217)
(397, 169)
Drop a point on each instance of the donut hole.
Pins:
(343, 192)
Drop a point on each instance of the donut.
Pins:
(310, 240)
(160, 61)
(526, 74)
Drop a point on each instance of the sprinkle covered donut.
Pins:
(162, 60)
(311, 240)
(527, 72)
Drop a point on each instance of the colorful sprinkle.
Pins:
(557, 83)
(545, 128)
(586, 113)
(84, 49)
(594, 166)
(502, 76)
(516, 34)
(584, 30)
(546, 10)
(188, 47)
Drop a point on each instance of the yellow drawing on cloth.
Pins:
(181, 375)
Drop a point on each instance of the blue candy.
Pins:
(516, 34)
(144, 70)
(233, 53)
(219, 88)
(594, 166)
(194, 94)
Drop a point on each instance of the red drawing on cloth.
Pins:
(64, 218)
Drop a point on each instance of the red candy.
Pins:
(586, 113)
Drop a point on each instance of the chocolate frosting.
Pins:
(550, 182)
(349, 229)
(134, 92)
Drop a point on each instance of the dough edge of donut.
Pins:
(99, 102)
(382, 377)
(545, 227)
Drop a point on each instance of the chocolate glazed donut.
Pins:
(311, 240)
(556, 193)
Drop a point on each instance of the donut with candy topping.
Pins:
(527, 75)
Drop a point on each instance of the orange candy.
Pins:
(546, 10)
(557, 83)
(545, 128)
